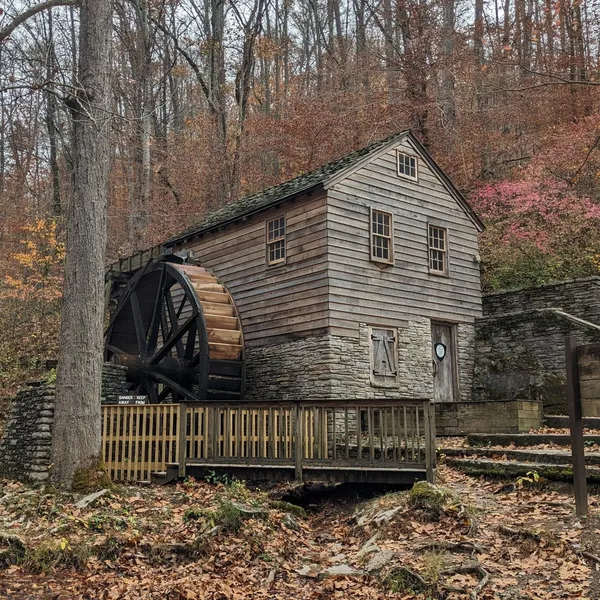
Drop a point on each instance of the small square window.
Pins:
(407, 166)
(438, 250)
(382, 236)
(276, 241)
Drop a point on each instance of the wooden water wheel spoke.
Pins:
(173, 318)
(177, 331)
(137, 319)
(155, 323)
(173, 340)
(169, 383)
(191, 343)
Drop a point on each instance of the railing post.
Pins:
(429, 425)
(299, 446)
(576, 426)
(181, 438)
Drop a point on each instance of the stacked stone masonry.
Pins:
(459, 418)
(26, 444)
(335, 367)
(520, 343)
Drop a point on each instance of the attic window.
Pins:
(407, 166)
(276, 241)
(382, 236)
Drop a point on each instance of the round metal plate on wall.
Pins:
(440, 351)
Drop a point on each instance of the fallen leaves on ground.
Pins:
(197, 540)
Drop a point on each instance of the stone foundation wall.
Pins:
(27, 440)
(461, 418)
(335, 367)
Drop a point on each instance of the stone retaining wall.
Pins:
(460, 418)
(578, 297)
(519, 342)
(27, 440)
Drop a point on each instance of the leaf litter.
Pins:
(197, 540)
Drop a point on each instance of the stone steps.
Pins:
(553, 457)
(524, 439)
(562, 422)
(507, 469)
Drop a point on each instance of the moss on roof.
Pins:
(275, 194)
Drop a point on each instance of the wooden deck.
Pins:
(390, 441)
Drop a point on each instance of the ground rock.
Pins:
(290, 522)
(91, 498)
(313, 571)
(249, 511)
(380, 560)
(341, 571)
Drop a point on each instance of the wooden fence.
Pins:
(139, 440)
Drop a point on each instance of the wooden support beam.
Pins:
(299, 448)
(181, 440)
(576, 425)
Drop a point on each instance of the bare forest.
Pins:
(215, 99)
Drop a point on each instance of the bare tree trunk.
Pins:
(549, 35)
(51, 110)
(76, 437)
(527, 35)
(479, 54)
(448, 102)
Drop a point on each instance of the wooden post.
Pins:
(576, 425)
(299, 446)
(429, 426)
(181, 441)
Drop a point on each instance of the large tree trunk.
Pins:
(76, 438)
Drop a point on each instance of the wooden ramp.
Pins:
(390, 441)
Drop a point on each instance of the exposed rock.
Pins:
(313, 571)
(369, 547)
(91, 498)
(338, 558)
(381, 518)
(342, 571)
(380, 560)
(249, 511)
(290, 522)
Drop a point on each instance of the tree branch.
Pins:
(34, 10)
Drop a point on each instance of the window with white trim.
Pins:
(382, 236)
(276, 241)
(407, 165)
(438, 250)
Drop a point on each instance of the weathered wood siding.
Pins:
(367, 292)
(277, 302)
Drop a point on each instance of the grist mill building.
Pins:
(358, 280)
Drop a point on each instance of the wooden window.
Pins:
(384, 357)
(407, 165)
(382, 236)
(438, 250)
(276, 241)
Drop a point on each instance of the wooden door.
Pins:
(444, 362)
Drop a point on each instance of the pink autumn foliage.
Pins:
(538, 230)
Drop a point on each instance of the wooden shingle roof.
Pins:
(312, 180)
(274, 195)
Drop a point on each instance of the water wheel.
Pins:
(177, 330)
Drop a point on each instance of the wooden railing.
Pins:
(138, 440)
